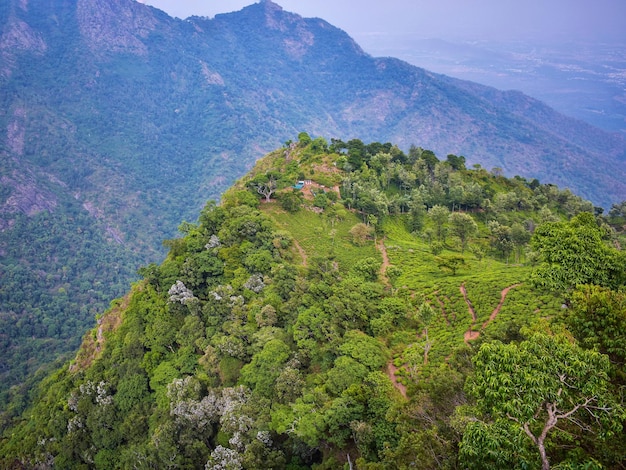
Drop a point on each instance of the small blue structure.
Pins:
(299, 185)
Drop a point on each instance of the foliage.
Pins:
(597, 317)
(268, 338)
(463, 226)
(543, 385)
(574, 253)
(450, 264)
(360, 233)
(112, 136)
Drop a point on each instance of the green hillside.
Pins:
(391, 311)
(118, 121)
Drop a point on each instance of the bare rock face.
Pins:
(115, 25)
(16, 131)
(18, 37)
(26, 195)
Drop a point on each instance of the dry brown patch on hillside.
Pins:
(93, 341)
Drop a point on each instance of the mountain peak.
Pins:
(115, 25)
(270, 4)
(272, 12)
(298, 36)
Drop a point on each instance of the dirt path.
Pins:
(471, 334)
(391, 373)
(301, 252)
(380, 245)
(468, 302)
(495, 312)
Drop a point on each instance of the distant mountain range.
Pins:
(580, 79)
(118, 121)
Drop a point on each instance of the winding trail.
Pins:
(471, 334)
(468, 302)
(380, 245)
(391, 373)
(301, 252)
(495, 312)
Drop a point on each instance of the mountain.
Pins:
(383, 313)
(117, 122)
(581, 79)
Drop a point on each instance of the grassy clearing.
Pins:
(319, 238)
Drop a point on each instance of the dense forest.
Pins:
(350, 305)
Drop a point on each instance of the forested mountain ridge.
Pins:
(117, 122)
(352, 305)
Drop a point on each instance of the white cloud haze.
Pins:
(590, 20)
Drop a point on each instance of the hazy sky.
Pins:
(598, 20)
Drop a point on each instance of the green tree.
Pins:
(304, 139)
(364, 349)
(291, 201)
(450, 263)
(463, 226)
(262, 372)
(313, 331)
(320, 200)
(597, 318)
(520, 237)
(425, 315)
(458, 163)
(345, 372)
(265, 185)
(575, 253)
(393, 273)
(439, 215)
(501, 239)
(417, 210)
(360, 233)
(540, 386)
(429, 158)
(367, 268)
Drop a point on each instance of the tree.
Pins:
(320, 200)
(541, 386)
(393, 273)
(291, 201)
(430, 159)
(450, 263)
(501, 238)
(265, 185)
(439, 215)
(367, 268)
(463, 226)
(261, 373)
(360, 233)
(520, 237)
(574, 253)
(458, 163)
(425, 315)
(417, 210)
(597, 318)
(364, 349)
(304, 139)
